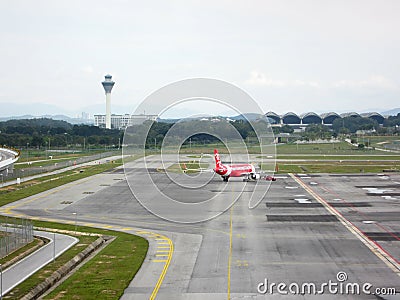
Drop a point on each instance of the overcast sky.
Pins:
(289, 55)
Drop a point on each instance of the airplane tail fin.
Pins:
(217, 159)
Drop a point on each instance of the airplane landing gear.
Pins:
(225, 178)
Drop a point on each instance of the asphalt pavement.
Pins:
(18, 272)
(291, 237)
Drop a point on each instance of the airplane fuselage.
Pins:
(233, 170)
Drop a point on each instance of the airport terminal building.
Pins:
(122, 121)
(292, 119)
(289, 118)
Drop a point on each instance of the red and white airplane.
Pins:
(247, 171)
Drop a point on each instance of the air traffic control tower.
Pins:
(108, 85)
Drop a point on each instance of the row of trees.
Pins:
(54, 133)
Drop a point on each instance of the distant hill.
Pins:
(248, 116)
(36, 122)
(392, 112)
(54, 117)
(11, 110)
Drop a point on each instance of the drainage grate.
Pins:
(88, 192)
(383, 194)
(287, 204)
(105, 184)
(301, 218)
(383, 236)
(350, 204)
(386, 186)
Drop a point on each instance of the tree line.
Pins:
(48, 133)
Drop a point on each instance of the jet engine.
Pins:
(255, 176)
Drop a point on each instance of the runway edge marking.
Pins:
(377, 250)
(230, 253)
(167, 261)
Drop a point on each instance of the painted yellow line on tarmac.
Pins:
(380, 253)
(166, 240)
(141, 232)
(88, 224)
(161, 240)
(164, 271)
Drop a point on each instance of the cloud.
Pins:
(375, 82)
(261, 79)
(305, 83)
(87, 69)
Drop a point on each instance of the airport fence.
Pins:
(36, 168)
(14, 234)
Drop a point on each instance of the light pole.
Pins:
(76, 216)
(1, 281)
(27, 152)
(54, 247)
(66, 140)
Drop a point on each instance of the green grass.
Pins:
(33, 154)
(187, 166)
(382, 141)
(33, 187)
(337, 167)
(39, 160)
(105, 276)
(47, 162)
(19, 251)
(108, 274)
(341, 148)
(340, 157)
(23, 288)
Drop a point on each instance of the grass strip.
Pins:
(33, 187)
(105, 276)
(187, 167)
(337, 167)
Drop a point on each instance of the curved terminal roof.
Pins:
(374, 116)
(311, 118)
(330, 117)
(291, 118)
(314, 118)
(275, 117)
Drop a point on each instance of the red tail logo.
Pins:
(217, 159)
